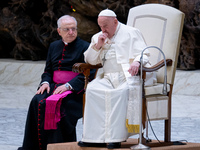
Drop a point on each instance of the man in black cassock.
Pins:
(62, 55)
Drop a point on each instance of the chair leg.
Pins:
(144, 141)
(168, 121)
(168, 130)
(147, 129)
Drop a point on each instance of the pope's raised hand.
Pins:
(101, 40)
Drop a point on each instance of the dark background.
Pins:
(27, 27)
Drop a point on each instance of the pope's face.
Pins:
(108, 25)
(68, 30)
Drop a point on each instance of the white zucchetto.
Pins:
(107, 13)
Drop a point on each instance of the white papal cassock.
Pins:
(112, 98)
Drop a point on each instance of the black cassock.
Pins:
(60, 57)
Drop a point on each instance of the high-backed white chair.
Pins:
(161, 26)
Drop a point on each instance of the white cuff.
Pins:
(68, 86)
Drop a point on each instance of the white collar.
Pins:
(65, 43)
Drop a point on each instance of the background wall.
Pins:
(27, 27)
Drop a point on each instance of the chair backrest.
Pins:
(161, 26)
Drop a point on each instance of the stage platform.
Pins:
(154, 145)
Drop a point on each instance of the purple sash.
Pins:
(63, 76)
(53, 102)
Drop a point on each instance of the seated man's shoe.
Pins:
(86, 144)
(21, 148)
(113, 145)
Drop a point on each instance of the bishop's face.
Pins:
(68, 30)
(108, 25)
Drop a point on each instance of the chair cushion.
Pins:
(155, 89)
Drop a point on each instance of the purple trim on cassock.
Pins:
(53, 102)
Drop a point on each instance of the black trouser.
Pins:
(36, 138)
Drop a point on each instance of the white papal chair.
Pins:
(161, 26)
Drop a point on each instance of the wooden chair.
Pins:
(161, 26)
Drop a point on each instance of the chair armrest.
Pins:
(82, 67)
(157, 66)
(85, 69)
(151, 69)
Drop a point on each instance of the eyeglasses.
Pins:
(68, 29)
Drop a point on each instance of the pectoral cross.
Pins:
(104, 59)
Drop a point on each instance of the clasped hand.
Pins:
(134, 68)
(58, 90)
